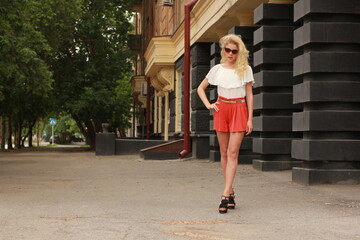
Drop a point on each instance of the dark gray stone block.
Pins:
(272, 145)
(274, 34)
(327, 121)
(322, 176)
(172, 107)
(215, 61)
(331, 165)
(211, 125)
(213, 95)
(314, 32)
(326, 150)
(273, 56)
(326, 91)
(105, 144)
(273, 123)
(273, 79)
(200, 120)
(266, 166)
(198, 74)
(160, 155)
(274, 101)
(303, 8)
(215, 50)
(273, 12)
(215, 156)
(247, 143)
(125, 146)
(213, 141)
(196, 103)
(246, 32)
(200, 54)
(172, 125)
(327, 62)
(246, 158)
(200, 147)
(179, 63)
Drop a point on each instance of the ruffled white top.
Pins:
(229, 84)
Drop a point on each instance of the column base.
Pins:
(308, 176)
(275, 165)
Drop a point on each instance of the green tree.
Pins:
(123, 103)
(25, 78)
(76, 47)
(90, 71)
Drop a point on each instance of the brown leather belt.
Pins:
(231, 101)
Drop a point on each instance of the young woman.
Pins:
(233, 110)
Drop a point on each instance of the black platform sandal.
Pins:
(231, 204)
(223, 207)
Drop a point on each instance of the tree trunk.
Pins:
(3, 133)
(18, 134)
(23, 139)
(1, 136)
(37, 133)
(81, 127)
(91, 133)
(98, 126)
(122, 132)
(88, 133)
(9, 140)
(30, 134)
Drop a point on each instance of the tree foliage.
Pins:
(64, 130)
(65, 56)
(89, 72)
(25, 77)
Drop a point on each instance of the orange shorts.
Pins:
(231, 117)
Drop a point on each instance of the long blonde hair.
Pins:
(241, 62)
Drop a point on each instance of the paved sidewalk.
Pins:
(67, 194)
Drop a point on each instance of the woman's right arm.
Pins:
(201, 92)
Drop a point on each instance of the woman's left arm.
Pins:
(250, 106)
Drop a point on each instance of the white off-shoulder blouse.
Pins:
(229, 84)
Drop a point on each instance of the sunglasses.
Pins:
(234, 51)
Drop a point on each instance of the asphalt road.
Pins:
(65, 194)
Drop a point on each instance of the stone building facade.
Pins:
(305, 58)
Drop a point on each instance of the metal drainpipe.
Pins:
(187, 149)
(133, 118)
(148, 108)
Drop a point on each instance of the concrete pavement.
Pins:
(71, 194)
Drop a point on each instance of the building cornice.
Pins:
(159, 53)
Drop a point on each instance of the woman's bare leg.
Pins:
(223, 139)
(233, 148)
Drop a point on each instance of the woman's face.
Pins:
(231, 52)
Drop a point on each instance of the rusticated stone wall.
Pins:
(329, 68)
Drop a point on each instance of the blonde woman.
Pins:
(233, 110)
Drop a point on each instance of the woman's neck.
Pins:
(228, 65)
